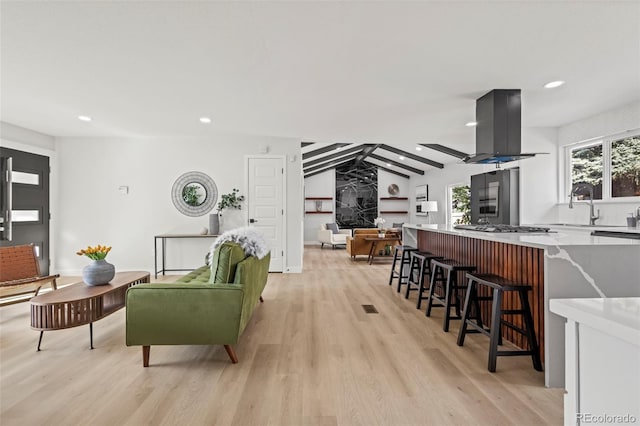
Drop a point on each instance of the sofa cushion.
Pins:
(225, 259)
(333, 227)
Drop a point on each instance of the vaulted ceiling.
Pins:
(383, 73)
(318, 158)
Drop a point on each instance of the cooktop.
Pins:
(502, 228)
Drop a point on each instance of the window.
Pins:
(587, 167)
(459, 204)
(611, 165)
(625, 167)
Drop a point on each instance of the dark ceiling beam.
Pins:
(303, 144)
(387, 170)
(412, 156)
(325, 168)
(331, 164)
(397, 164)
(337, 154)
(445, 150)
(322, 150)
(316, 173)
(366, 152)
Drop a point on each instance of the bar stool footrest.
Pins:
(515, 327)
(513, 353)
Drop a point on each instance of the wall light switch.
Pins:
(124, 190)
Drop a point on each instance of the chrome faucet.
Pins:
(589, 187)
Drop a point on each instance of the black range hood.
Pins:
(498, 133)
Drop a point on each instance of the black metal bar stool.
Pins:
(401, 252)
(450, 287)
(419, 269)
(499, 286)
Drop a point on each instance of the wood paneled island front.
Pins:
(558, 264)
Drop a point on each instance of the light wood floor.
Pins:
(309, 356)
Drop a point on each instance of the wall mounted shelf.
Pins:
(319, 212)
(394, 198)
(319, 198)
(394, 212)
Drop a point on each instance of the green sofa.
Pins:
(211, 305)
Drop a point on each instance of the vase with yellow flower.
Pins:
(98, 272)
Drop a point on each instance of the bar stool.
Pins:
(401, 252)
(420, 268)
(449, 286)
(499, 286)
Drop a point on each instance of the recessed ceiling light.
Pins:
(471, 124)
(418, 148)
(388, 165)
(205, 120)
(84, 118)
(553, 84)
(401, 157)
(338, 148)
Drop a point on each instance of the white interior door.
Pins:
(266, 203)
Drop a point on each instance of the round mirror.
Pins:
(194, 194)
(393, 189)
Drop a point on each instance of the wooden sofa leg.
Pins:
(261, 299)
(231, 353)
(145, 355)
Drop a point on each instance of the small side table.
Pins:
(374, 243)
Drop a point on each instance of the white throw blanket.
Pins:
(250, 239)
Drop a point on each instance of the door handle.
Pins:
(7, 229)
(252, 221)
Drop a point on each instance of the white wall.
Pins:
(438, 180)
(384, 180)
(10, 132)
(92, 211)
(324, 185)
(604, 124)
(538, 180)
(539, 177)
(320, 185)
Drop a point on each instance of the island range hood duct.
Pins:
(498, 133)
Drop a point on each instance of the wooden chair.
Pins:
(19, 269)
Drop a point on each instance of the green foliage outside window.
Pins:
(461, 203)
(625, 167)
(586, 167)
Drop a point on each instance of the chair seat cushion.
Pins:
(339, 238)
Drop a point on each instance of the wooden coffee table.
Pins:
(393, 238)
(79, 304)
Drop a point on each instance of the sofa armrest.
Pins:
(324, 235)
(183, 314)
(345, 231)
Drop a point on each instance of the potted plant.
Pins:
(231, 200)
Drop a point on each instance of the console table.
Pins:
(163, 238)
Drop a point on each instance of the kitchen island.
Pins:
(563, 263)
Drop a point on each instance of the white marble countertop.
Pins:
(616, 316)
(560, 237)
